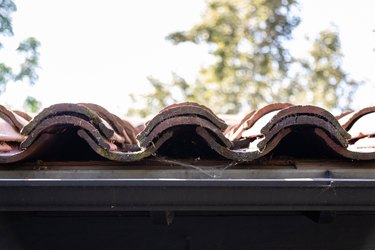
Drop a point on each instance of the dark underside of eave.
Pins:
(188, 230)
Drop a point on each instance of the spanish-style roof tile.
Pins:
(76, 110)
(181, 118)
(352, 152)
(240, 154)
(179, 121)
(122, 127)
(57, 124)
(349, 118)
(108, 131)
(338, 117)
(365, 145)
(24, 115)
(185, 130)
(247, 123)
(8, 133)
(359, 124)
(182, 109)
(14, 119)
(298, 116)
(10, 125)
(132, 154)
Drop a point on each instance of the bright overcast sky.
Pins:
(100, 51)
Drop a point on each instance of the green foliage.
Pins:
(252, 66)
(7, 7)
(322, 75)
(32, 105)
(28, 48)
(5, 75)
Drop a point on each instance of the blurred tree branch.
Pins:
(29, 48)
(252, 65)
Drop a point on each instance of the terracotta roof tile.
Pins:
(242, 154)
(182, 109)
(251, 121)
(8, 133)
(297, 111)
(338, 117)
(13, 118)
(300, 120)
(24, 115)
(132, 154)
(349, 118)
(10, 126)
(352, 152)
(57, 124)
(181, 129)
(71, 110)
(361, 125)
(181, 121)
(122, 127)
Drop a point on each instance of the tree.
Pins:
(252, 65)
(31, 105)
(162, 95)
(322, 74)
(28, 48)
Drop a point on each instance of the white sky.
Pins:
(100, 51)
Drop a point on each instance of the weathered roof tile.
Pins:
(258, 134)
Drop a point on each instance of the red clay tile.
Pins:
(12, 118)
(338, 117)
(24, 115)
(256, 129)
(5, 147)
(352, 152)
(182, 121)
(251, 119)
(349, 119)
(17, 155)
(123, 128)
(244, 154)
(182, 109)
(73, 110)
(8, 133)
(308, 110)
(10, 125)
(57, 124)
(363, 126)
(133, 155)
(303, 120)
(59, 118)
(258, 134)
(364, 144)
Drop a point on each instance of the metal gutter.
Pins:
(318, 189)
